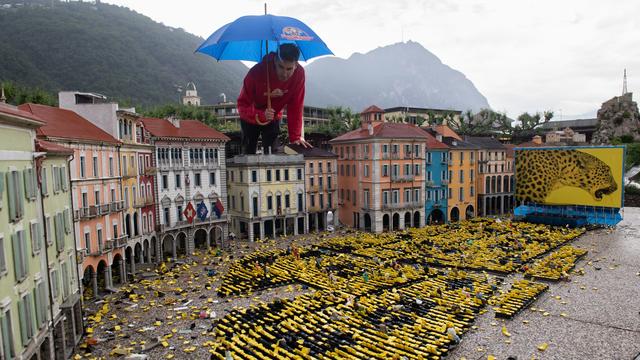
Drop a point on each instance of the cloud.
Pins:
(522, 55)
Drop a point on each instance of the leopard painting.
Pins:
(539, 172)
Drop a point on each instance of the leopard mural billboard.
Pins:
(589, 176)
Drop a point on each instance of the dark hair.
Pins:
(289, 52)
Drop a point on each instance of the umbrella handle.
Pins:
(268, 84)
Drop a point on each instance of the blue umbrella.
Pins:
(251, 37)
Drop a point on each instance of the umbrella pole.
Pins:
(268, 85)
(267, 53)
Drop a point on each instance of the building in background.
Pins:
(138, 186)
(227, 111)
(511, 164)
(66, 308)
(266, 196)
(191, 184)
(381, 174)
(25, 320)
(321, 184)
(135, 157)
(420, 116)
(461, 201)
(585, 127)
(191, 97)
(436, 180)
(566, 136)
(495, 172)
(96, 194)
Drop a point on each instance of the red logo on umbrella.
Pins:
(294, 33)
(189, 213)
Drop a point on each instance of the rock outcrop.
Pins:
(617, 118)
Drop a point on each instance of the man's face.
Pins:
(284, 69)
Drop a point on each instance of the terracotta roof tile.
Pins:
(384, 130)
(433, 143)
(66, 124)
(372, 109)
(192, 129)
(49, 147)
(16, 112)
(446, 131)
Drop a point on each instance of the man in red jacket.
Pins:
(286, 81)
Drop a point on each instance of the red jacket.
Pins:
(253, 96)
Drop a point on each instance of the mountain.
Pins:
(402, 74)
(107, 49)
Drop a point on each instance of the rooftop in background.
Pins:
(66, 124)
(434, 144)
(445, 131)
(314, 152)
(574, 124)
(420, 110)
(263, 160)
(372, 109)
(13, 113)
(384, 130)
(484, 142)
(51, 148)
(459, 144)
(189, 129)
(86, 97)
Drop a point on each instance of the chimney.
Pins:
(370, 128)
(439, 137)
(365, 120)
(174, 120)
(537, 140)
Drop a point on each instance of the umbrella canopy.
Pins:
(248, 37)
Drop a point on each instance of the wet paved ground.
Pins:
(594, 316)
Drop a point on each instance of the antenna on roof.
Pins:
(624, 82)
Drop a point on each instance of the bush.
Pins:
(626, 139)
(631, 190)
(633, 155)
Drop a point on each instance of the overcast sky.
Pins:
(565, 56)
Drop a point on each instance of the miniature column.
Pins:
(132, 264)
(123, 271)
(94, 283)
(108, 281)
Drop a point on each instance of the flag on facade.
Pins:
(189, 213)
(202, 211)
(218, 209)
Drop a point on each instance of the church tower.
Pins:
(191, 95)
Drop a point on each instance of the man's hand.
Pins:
(302, 142)
(269, 114)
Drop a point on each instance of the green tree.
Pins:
(529, 125)
(17, 95)
(472, 124)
